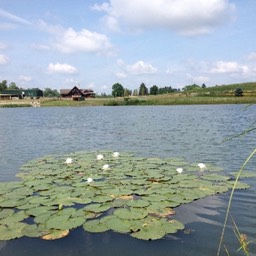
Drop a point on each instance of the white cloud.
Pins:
(23, 78)
(120, 62)
(111, 23)
(187, 17)
(3, 59)
(140, 67)
(101, 7)
(68, 40)
(84, 40)
(61, 68)
(231, 67)
(13, 18)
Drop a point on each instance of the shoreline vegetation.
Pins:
(224, 94)
(130, 101)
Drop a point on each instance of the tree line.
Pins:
(119, 91)
(5, 86)
(47, 92)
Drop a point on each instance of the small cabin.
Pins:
(77, 94)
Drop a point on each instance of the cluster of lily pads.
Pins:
(103, 191)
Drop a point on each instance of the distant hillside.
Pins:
(245, 86)
(249, 89)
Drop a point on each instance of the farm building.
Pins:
(30, 93)
(77, 94)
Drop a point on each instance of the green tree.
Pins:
(153, 90)
(13, 86)
(166, 89)
(3, 85)
(238, 92)
(135, 92)
(143, 90)
(127, 92)
(51, 93)
(117, 90)
(191, 87)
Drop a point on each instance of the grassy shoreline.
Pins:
(140, 100)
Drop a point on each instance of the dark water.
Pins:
(193, 132)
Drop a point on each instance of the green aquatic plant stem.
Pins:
(242, 238)
(230, 199)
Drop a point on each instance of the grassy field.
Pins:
(211, 95)
(146, 100)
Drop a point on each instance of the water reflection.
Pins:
(203, 210)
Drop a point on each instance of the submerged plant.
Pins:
(136, 196)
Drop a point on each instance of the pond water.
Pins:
(193, 132)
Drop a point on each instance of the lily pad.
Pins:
(130, 214)
(55, 234)
(32, 231)
(117, 224)
(138, 203)
(95, 226)
(12, 231)
(151, 229)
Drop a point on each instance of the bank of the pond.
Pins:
(135, 101)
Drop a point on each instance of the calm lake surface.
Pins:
(193, 132)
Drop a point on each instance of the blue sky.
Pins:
(94, 44)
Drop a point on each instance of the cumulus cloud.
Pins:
(61, 68)
(187, 17)
(140, 67)
(68, 40)
(3, 59)
(231, 67)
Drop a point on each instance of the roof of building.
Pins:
(76, 90)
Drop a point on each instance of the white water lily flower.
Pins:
(116, 154)
(89, 180)
(201, 166)
(69, 160)
(105, 167)
(179, 170)
(100, 157)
